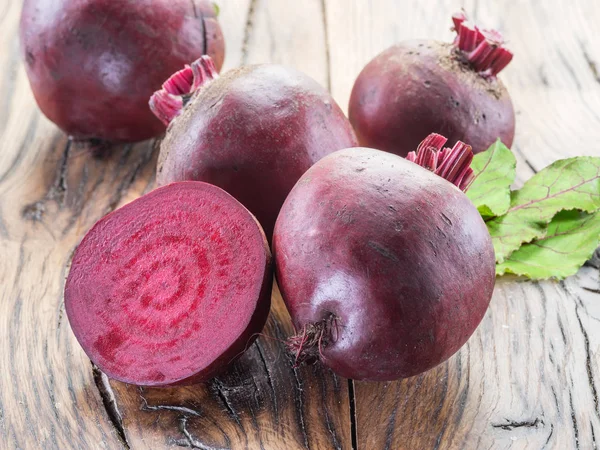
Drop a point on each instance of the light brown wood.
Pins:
(51, 192)
(528, 378)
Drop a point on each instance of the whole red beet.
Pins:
(386, 267)
(253, 131)
(420, 87)
(93, 64)
(170, 288)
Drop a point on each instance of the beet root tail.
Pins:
(308, 344)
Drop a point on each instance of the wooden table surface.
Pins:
(528, 378)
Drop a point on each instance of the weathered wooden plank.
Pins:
(262, 402)
(526, 379)
(48, 395)
(288, 33)
(48, 398)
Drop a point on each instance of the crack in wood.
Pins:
(61, 301)
(57, 191)
(438, 408)
(389, 432)
(353, 420)
(561, 327)
(220, 389)
(248, 30)
(179, 409)
(110, 404)
(574, 419)
(327, 49)
(324, 393)
(462, 399)
(543, 76)
(190, 441)
(438, 440)
(59, 188)
(128, 181)
(586, 341)
(591, 64)
(185, 414)
(517, 149)
(510, 425)
(549, 435)
(269, 381)
(299, 401)
(594, 261)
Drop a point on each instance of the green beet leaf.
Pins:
(567, 184)
(494, 172)
(570, 240)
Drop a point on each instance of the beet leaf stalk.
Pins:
(452, 164)
(167, 103)
(484, 49)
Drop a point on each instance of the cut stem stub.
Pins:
(483, 49)
(168, 102)
(452, 164)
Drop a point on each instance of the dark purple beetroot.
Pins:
(420, 87)
(253, 131)
(386, 268)
(171, 287)
(93, 64)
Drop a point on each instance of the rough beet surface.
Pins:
(253, 131)
(171, 287)
(93, 64)
(385, 267)
(420, 87)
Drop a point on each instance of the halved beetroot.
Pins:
(171, 287)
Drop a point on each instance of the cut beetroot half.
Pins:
(170, 288)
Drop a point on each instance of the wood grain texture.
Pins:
(262, 402)
(528, 378)
(51, 192)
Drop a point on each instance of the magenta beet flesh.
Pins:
(252, 131)
(93, 64)
(420, 87)
(170, 288)
(386, 268)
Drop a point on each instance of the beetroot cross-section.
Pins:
(171, 287)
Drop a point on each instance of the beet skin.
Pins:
(385, 267)
(93, 64)
(420, 87)
(252, 131)
(170, 288)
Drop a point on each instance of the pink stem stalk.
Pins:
(483, 49)
(452, 164)
(168, 102)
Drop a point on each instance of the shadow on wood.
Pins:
(262, 401)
